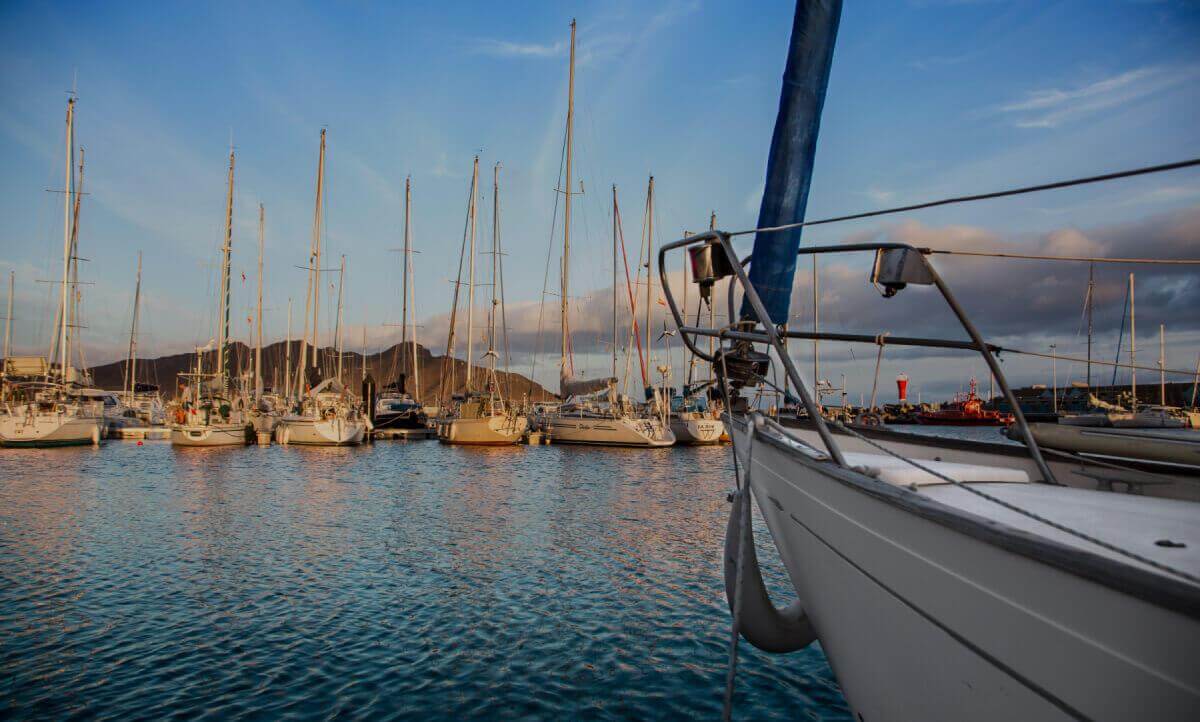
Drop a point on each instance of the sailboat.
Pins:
(144, 400)
(396, 407)
(326, 413)
(592, 413)
(41, 403)
(486, 417)
(938, 590)
(210, 412)
(695, 415)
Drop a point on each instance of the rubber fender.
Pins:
(759, 621)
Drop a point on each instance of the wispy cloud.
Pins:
(511, 49)
(1052, 107)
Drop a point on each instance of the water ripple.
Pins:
(395, 581)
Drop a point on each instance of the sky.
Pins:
(926, 99)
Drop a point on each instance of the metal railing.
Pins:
(760, 329)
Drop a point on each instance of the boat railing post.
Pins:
(772, 333)
(1019, 416)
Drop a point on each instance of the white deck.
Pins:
(1127, 521)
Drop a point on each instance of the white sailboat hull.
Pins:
(600, 431)
(325, 432)
(926, 613)
(697, 431)
(53, 429)
(211, 434)
(483, 431)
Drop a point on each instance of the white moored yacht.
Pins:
(592, 412)
(488, 417)
(938, 590)
(42, 405)
(210, 414)
(327, 414)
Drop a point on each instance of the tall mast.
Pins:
(471, 274)
(816, 325)
(1091, 300)
(410, 286)
(74, 323)
(287, 369)
(1162, 364)
(1132, 346)
(404, 272)
(258, 381)
(64, 354)
(712, 226)
(649, 267)
(131, 367)
(337, 324)
(614, 299)
(566, 256)
(317, 246)
(491, 352)
(226, 251)
(8, 319)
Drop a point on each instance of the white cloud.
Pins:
(1052, 107)
(510, 49)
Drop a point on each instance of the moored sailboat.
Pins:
(41, 404)
(325, 412)
(210, 412)
(593, 413)
(485, 417)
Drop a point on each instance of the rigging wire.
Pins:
(982, 196)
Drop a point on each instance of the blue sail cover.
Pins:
(793, 146)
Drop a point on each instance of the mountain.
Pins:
(383, 366)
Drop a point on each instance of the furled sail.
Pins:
(793, 147)
(570, 386)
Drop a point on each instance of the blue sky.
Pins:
(926, 99)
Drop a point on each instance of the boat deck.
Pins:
(1166, 531)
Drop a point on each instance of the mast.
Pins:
(64, 355)
(131, 367)
(471, 275)
(317, 246)
(566, 265)
(614, 299)
(411, 301)
(649, 267)
(816, 324)
(712, 321)
(1132, 346)
(258, 381)
(74, 323)
(12, 278)
(287, 353)
(1091, 300)
(405, 271)
(337, 324)
(226, 251)
(1162, 364)
(491, 352)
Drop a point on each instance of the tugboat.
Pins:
(965, 410)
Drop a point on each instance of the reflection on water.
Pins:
(395, 580)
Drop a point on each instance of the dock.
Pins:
(140, 433)
(403, 434)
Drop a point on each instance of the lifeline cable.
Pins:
(982, 196)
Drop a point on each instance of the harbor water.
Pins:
(399, 580)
